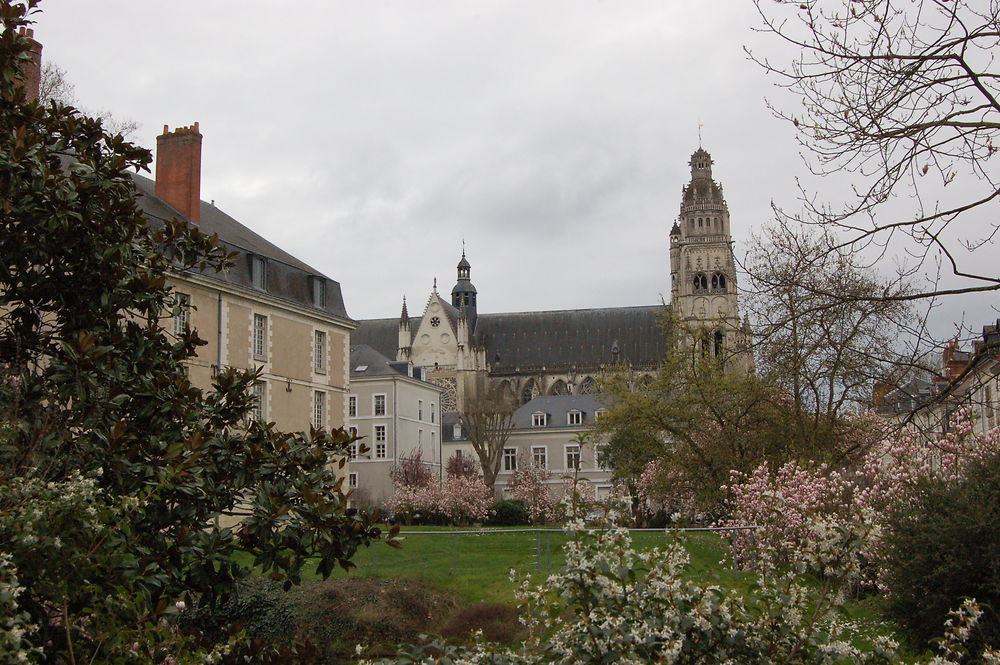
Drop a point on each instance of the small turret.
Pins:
(405, 338)
(463, 296)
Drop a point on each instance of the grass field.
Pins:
(475, 567)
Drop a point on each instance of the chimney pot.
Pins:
(178, 169)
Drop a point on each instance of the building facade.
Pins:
(268, 311)
(546, 433)
(397, 414)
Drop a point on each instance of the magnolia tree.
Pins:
(529, 484)
(662, 487)
(461, 497)
(782, 502)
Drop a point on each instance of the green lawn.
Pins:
(475, 567)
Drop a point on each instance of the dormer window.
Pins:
(600, 413)
(318, 288)
(574, 417)
(258, 272)
(457, 433)
(538, 419)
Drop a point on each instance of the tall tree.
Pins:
(488, 420)
(904, 97)
(698, 420)
(114, 468)
(825, 328)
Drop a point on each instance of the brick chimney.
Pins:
(178, 169)
(32, 69)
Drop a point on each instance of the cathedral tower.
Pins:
(702, 267)
(463, 296)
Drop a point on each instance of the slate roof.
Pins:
(375, 363)
(287, 276)
(580, 337)
(519, 341)
(557, 407)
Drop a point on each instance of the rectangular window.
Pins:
(259, 410)
(510, 459)
(540, 456)
(538, 420)
(433, 412)
(572, 457)
(599, 457)
(353, 431)
(379, 451)
(420, 439)
(378, 405)
(352, 450)
(319, 352)
(182, 320)
(258, 272)
(319, 409)
(259, 337)
(380, 432)
(457, 432)
(600, 413)
(352, 480)
(420, 409)
(318, 291)
(574, 418)
(352, 406)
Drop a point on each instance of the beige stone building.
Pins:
(269, 310)
(398, 414)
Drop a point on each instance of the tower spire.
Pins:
(463, 296)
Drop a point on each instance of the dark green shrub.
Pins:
(509, 512)
(329, 617)
(945, 547)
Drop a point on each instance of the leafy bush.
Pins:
(611, 604)
(945, 546)
(509, 512)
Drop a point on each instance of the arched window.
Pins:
(699, 222)
(588, 386)
(700, 282)
(558, 388)
(529, 392)
(718, 282)
(718, 342)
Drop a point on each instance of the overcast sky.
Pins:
(369, 138)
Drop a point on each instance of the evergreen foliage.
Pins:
(114, 468)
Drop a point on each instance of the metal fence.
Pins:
(485, 555)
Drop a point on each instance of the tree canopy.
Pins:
(114, 468)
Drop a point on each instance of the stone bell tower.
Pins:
(702, 268)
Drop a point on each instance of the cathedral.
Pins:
(522, 355)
